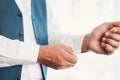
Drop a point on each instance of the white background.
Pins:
(80, 17)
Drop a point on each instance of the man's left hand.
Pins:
(101, 39)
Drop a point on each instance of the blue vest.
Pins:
(11, 26)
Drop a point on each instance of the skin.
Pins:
(111, 40)
(57, 56)
(105, 37)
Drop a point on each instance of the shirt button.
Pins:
(19, 15)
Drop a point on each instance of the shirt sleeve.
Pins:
(74, 41)
(15, 52)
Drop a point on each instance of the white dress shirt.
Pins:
(14, 52)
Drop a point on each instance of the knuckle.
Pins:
(65, 56)
(61, 64)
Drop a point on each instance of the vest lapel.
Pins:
(39, 20)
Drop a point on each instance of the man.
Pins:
(23, 23)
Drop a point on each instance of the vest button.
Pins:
(33, 19)
(19, 15)
(17, 79)
(20, 34)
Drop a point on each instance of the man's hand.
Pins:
(57, 56)
(101, 39)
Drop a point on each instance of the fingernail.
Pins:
(114, 29)
(103, 44)
(107, 34)
(103, 39)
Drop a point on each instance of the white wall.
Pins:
(80, 17)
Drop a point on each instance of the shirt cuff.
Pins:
(77, 43)
(28, 52)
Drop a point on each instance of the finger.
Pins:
(108, 48)
(113, 36)
(66, 65)
(69, 64)
(71, 58)
(68, 49)
(111, 42)
(115, 30)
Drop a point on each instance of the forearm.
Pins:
(16, 52)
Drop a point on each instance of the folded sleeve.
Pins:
(15, 52)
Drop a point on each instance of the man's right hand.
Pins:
(57, 56)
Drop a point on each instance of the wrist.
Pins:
(40, 54)
(85, 44)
